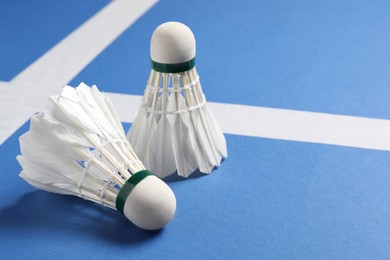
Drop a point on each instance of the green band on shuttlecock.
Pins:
(128, 187)
(173, 68)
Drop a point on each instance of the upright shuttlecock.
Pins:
(77, 146)
(174, 130)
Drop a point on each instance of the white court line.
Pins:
(28, 91)
(284, 124)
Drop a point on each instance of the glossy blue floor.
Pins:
(307, 179)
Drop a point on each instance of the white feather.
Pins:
(77, 146)
(183, 143)
(174, 130)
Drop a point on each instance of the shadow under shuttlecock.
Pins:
(47, 211)
(174, 177)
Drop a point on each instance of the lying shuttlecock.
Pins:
(77, 146)
(174, 130)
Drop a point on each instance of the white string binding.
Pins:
(109, 181)
(95, 153)
(103, 191)
(187, 87)
(174, 112)
(152, 88)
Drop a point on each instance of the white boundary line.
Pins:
(29, 90)
(285, 124)
(3, 84)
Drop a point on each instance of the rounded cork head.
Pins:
(151, 204)
(172, 43)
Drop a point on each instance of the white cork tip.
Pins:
(171, 43)
(151, 204)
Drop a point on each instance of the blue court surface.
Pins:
(300, 88)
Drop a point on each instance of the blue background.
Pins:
(270, 199)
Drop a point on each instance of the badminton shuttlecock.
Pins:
(77, 146)
(174, 130)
